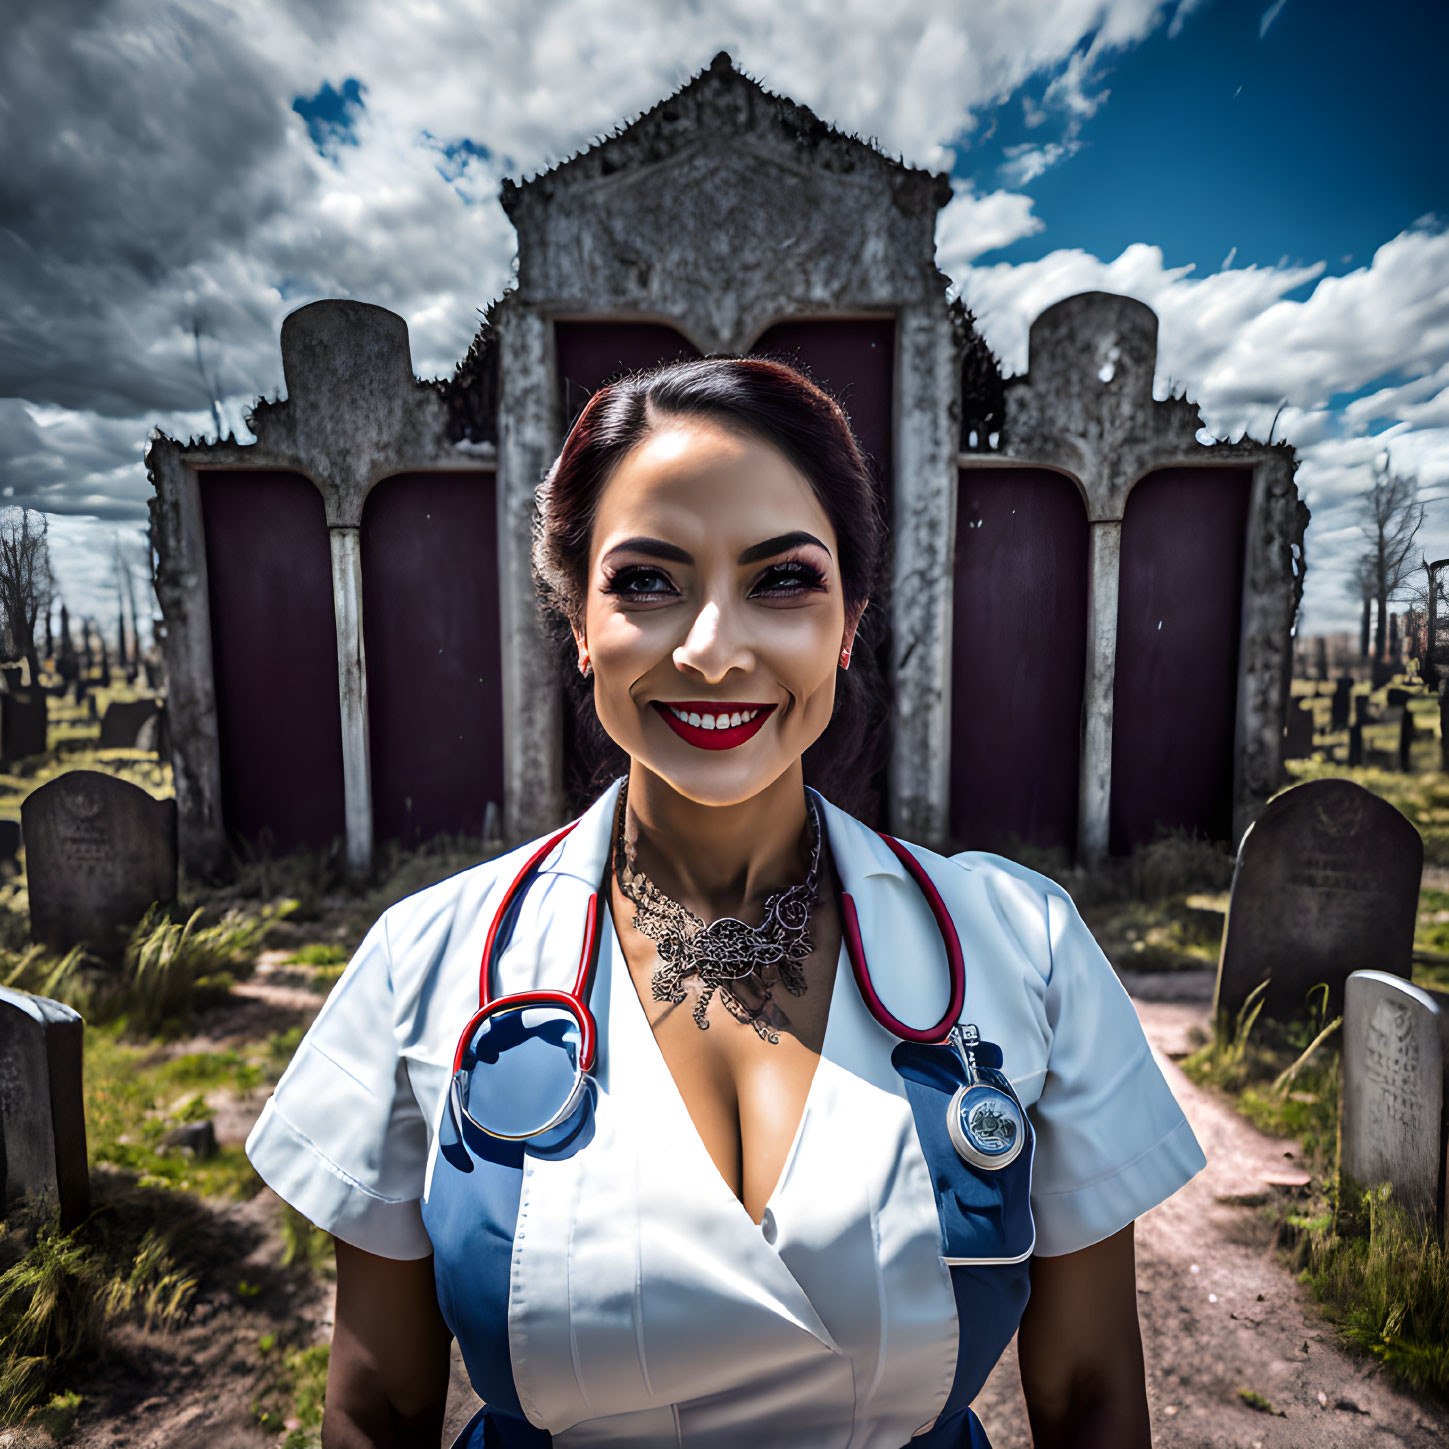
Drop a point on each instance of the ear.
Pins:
(852, 623)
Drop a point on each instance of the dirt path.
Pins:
(1218, 1312)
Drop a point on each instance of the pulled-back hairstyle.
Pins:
(779, 405)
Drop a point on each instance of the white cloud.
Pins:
(1025, 162)
(1242, 347)
(970, 224)
(1269, 16)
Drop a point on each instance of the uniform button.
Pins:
(767, 1226)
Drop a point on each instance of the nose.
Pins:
(713, 645)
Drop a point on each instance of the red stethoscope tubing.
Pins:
(574, 1000)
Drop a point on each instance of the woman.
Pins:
(753, 1222)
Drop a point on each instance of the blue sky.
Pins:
(1314, 140)
(1270, 177)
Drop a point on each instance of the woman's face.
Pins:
(714, 618)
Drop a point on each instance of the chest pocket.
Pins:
(987, 1230)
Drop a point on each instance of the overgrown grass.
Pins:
(170, 967)
(135, 1096)
(61, 1293)
(294, 1398)
(1383, 1279)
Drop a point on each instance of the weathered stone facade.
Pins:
(721, 212)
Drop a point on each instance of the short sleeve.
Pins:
(1111, 1138)
(342, 1138)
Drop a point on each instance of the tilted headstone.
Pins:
(1298, 737)
(1326, 883)
(155, 735)
(1392, 1107)
(23, 723)
(98, 851)
(123, 721)
(42, 1113)
(1342, 697)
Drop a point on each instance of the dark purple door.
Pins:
(274, 657)
(853, 359)
(589, 354)
(1018, 659)
(430, 623)
(1175, 692)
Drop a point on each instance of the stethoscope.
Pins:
(548, 1037)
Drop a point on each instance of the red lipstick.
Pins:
(713, 739)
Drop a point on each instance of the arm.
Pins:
(1080, 1350)
(387, 1377)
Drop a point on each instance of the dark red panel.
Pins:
(588, 354)
(430, 624)
(274, 654)
(1175, 692)
(1018, 659)
(853, 358)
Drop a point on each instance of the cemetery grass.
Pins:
(1382, 1281)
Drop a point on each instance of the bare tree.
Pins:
(26, 583)
(1364, 588)
(1390, 516)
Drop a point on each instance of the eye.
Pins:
(791, 576)
(640, 581)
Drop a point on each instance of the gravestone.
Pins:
(1397, 698)
(98, 851)
(1406, 740)
(1361, 713)
(1355, 743)
(1298, 736)
(42, 1115)
(123, 721)
(155, 734)
(1394, 1038)
(10, 840)
(22, 723)
(1326, 883)
(1342, 695)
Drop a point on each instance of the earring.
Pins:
(845, 658)
(585, 668)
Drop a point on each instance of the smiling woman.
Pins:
(905, 1093)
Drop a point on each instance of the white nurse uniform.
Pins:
(631, 1299)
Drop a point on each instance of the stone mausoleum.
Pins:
(1090, 612)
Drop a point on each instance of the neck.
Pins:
(721, 856)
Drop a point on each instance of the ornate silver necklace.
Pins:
(727, 955)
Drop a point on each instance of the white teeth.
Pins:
(714, 721)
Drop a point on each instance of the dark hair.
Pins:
(780, 405)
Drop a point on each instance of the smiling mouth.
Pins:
(710, 725)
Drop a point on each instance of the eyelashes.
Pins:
(782, 580)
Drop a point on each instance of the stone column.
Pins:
(1095, 787)
(181, 587)
(528, 435)
(352, 696)
(927, 421)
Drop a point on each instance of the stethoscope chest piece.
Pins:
(984, 1120)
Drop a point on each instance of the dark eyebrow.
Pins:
(772, 546)
(657, 548)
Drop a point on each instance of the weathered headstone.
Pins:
(123, 721)
(98, 851)
(1298, 736)
(1355, 743)
(155, 735)
(1326, 883)
(1342, 695)
(1406, 739)
(1394, 1038)
(42, 1114)
(22, 723)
